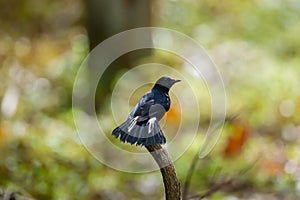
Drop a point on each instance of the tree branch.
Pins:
(171, 182)
(189, 177)
(229, 184)
(10, 195)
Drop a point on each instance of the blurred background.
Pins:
(255, 45)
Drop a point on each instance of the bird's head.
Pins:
(166, 81)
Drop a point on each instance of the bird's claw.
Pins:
(150, 123)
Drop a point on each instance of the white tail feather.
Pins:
(132, 123)
(151, 124)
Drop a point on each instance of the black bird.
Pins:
(141, 126)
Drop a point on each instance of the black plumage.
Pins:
(141, 126)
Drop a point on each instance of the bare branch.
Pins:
(171, 182)
(228, 184)
(189, 177)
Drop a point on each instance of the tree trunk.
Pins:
(107, 18)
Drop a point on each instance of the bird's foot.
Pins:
(132, 123)
(150, 123)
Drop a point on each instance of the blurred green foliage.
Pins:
(256, 47)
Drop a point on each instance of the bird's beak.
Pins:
(176, 81)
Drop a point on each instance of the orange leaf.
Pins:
(3, 135)
(236, 141)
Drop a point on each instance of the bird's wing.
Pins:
(141, 110)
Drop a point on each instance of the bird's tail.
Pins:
(143, 135)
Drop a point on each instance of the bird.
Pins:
(142, 125)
